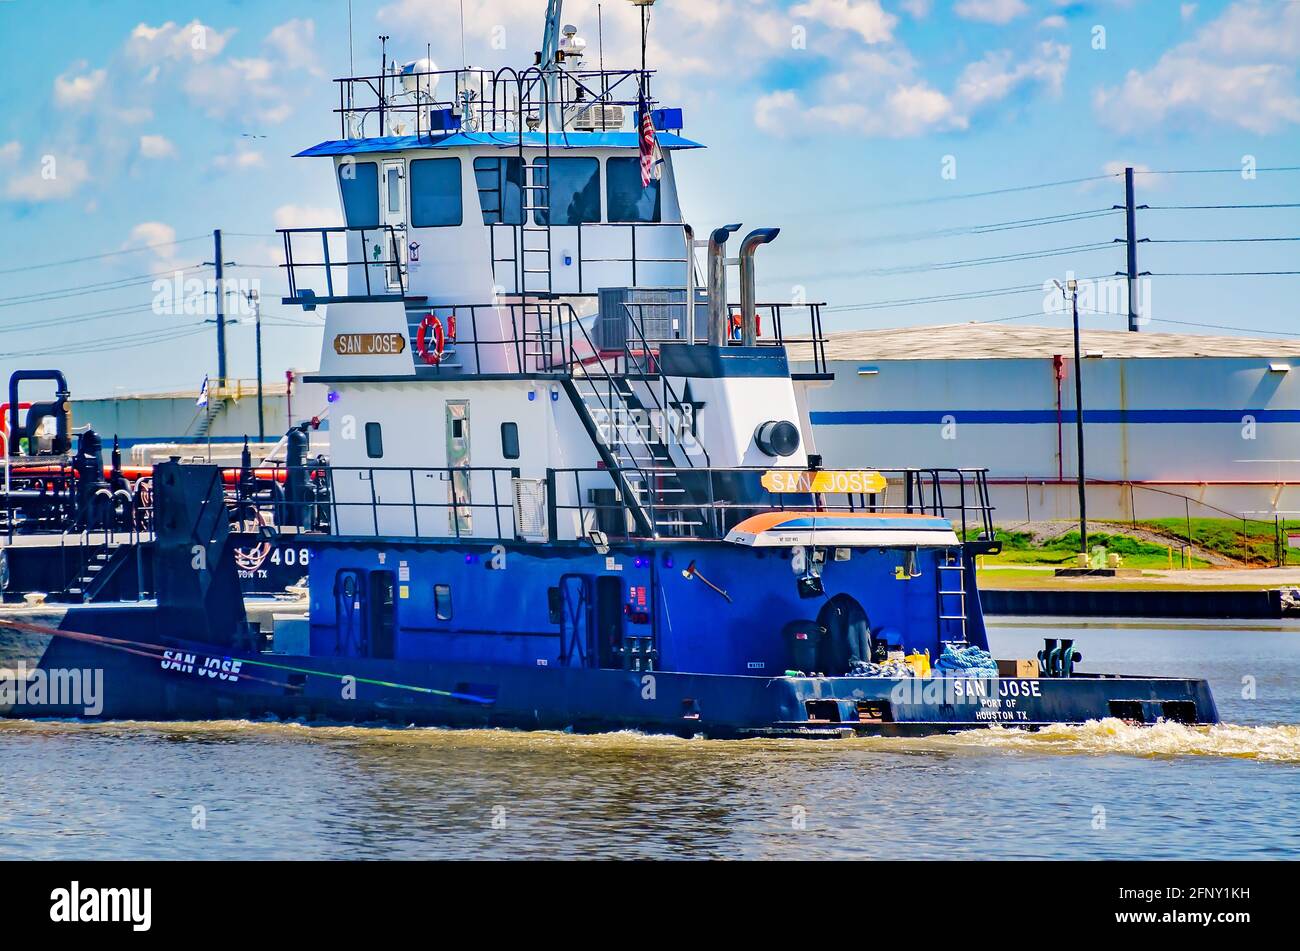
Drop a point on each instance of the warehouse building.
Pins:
(1175, 424)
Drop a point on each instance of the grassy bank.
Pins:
(1021, 548)
(1251, 543)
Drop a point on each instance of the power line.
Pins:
(109, 344)
(1211, 171)
(81, 290)
(134, 309)
(1214, 240)
(100, 257)
(981, 262)
(1016, 225)
(995, 191)
(1221, 207)
(1220, 273)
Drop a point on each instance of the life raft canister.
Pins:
(430, 339)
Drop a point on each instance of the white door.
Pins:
(392, 204)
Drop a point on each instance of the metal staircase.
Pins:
(215, 405)
(647, 461)
(98, 568)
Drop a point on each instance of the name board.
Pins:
(367, 345)
(824, 480)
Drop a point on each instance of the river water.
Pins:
(1103, 790)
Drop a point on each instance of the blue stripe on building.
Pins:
(1001, 417)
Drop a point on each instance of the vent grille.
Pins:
(530, 509)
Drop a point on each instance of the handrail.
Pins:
(291, 266)
(481, 96)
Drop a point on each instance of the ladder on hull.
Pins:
(952, 615)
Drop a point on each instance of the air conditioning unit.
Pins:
(595, 118)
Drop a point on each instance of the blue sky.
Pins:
(868, 131)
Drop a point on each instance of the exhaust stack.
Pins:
(718, 284)
(748, 315)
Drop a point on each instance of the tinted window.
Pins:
(499, 183)
(442, 601)
(435, 193)
(374, 441)
(393, 186)
(359, 182)
(573, 195)
(626, 199)
(510, 440)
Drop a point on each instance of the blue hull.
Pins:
(194, 683)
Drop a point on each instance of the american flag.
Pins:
(652, 159)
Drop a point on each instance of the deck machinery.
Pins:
(573, 484)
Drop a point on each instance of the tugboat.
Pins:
(571, 485)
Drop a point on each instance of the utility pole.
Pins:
(1072, 288)
(255, 301)
(221, 312)
(1131, 240)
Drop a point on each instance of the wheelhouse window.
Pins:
(573, 193)
(442, 602)
(374, 441)
(510, 440)
(500, 190)
(627, 201)
(435, 193)
(359, 185)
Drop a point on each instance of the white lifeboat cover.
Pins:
(843, 529)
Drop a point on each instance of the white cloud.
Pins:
(1117, 167)
(193, 42)
(1239, 70)
(295, 43)
(990, 11)
(10, 152)
(78, 86)
(50, 178)
(995, 76)
(160, 238)
(1054, 22)
(865, 17)
(246, 86)
(241, 159)
(920, 9)
(904, 111)
(1187, 11)
(156, 147)
(880, 94)
(304, 216)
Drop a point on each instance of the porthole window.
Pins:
(374, 441)
(442, 602)
(510, 440)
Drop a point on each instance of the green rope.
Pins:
(366, 680)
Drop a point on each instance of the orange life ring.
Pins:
(430, 351)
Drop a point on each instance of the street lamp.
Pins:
(1072, 289)
(255, 302)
